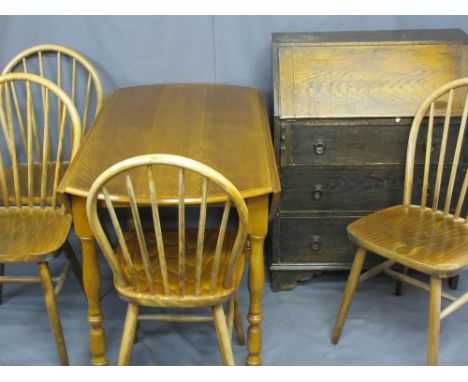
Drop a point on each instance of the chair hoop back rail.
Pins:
(35, 166)
(51, 61)
(428, 107)
(430, 236)
(151, 163)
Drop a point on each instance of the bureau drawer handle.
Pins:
(315, 244)
(319, 146)
(317, 194)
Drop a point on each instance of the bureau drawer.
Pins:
(316, 240)
(341, 188)
(357, 142)
(355, 188)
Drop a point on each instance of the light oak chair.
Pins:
(178, 267)
(34, 149)
(431, 236)
(69, 70)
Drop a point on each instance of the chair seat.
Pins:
(31, 234)
(415, 237)
(171, 249)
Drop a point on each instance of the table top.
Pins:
(225, 127)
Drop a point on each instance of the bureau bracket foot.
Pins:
(287, 280)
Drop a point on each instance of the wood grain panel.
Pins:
(365, 80)
(31, 235)
(221, 126)
(286, 81)
(415, 237)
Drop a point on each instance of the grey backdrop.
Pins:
(381, 329)
(134, 50)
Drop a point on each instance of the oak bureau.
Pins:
(343, 106)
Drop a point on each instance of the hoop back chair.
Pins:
(171, 268)
(70, 71)
(429, 231)
(34, 223)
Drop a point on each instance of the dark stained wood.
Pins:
(344, 103)
(315, 240)
(337, 142)
(341, 187)
(410, 36)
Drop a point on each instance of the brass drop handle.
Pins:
(319, 146)
(317, 194)
(315, 244)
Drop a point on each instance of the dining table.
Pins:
(223, 126)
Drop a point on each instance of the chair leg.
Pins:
(2, 272)
(52, 310)
(75, 265)
(452, 282)
(433, 331)
(399, 284)
(223, 336)
(238, 321)
(348, 293)
(128, 334)
(234, 319)
(230, 316)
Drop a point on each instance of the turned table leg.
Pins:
(91, 281)
(258, 227)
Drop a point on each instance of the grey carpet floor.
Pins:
(381, 329)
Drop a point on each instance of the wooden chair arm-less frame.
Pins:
(178, 268)
(34, 224)
(430, 235)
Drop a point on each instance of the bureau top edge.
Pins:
(380, 37)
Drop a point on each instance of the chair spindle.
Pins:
(139, 232)
(461, 198)
(456, 157)
(157, 230)
(219, 247)
(201, 236)
(121, 239)
(427, 162)
(45, 149)
(86, 105)
(181, 214)
(443, 147)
